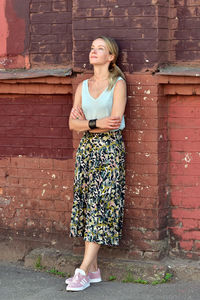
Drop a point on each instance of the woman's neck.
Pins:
(101, 74)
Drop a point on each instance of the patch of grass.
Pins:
(130, 279)
(111, 278)
(56, 272)
(38, 264)
(167, 278)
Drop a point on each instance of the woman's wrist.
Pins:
(92, 124)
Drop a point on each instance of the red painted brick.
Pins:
(186, 214)
(189, 224)
(191, 235)
(186, 245)
(197, 246)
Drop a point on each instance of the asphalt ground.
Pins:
(20, 283)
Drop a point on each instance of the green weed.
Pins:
(56, 272)
(38, 264)
(129, 278)
(111, 278)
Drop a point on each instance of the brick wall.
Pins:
(184, 31)
(184, 165)
(35, 125)
(140, 28)
(37, 150)
(146, 207)
(36, 163)
(50, 32)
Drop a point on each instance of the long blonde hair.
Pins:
(114, 70)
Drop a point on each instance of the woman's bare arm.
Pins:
(79, 123)
(77, 119)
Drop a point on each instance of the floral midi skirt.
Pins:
(99, 188)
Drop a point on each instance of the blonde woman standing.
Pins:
(99, 183)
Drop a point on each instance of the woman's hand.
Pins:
(77, 113)
(109, 123)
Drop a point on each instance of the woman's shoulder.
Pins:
(120, 78)
(120, 81)
(81, 84)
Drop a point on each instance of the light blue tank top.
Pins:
(100, 107)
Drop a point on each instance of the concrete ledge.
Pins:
(64, 261)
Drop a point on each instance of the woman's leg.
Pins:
(89, 262)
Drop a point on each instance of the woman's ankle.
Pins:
(93, 269)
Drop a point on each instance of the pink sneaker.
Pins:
(94, 277)
(80, 281)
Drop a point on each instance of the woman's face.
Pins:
(99, 53)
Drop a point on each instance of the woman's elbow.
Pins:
(70, 125)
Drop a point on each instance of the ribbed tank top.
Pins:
(100, 107)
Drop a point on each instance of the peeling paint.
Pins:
(188, 157)
(147, 154)
(138, 190)
(30, 223)
(53, 176)
(43, 192)
(5, 201)
(147, 92)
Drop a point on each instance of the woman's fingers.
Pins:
(77, 113)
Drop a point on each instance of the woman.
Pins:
(99, 183)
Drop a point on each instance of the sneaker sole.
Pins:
(91, 281)
(77, 289)
(95, 280)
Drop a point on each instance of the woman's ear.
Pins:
(111, 57)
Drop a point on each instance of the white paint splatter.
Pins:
(147, 154)
(188, 157)
(147, 92)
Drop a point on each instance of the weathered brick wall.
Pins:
(37, 149)
(140, 28)
(14, 38)
(36, 165)
(184, 165)
(184, 31)
(146, 207)
(35, 125)
(50, 32)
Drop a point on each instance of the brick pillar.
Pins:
(145, 227)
